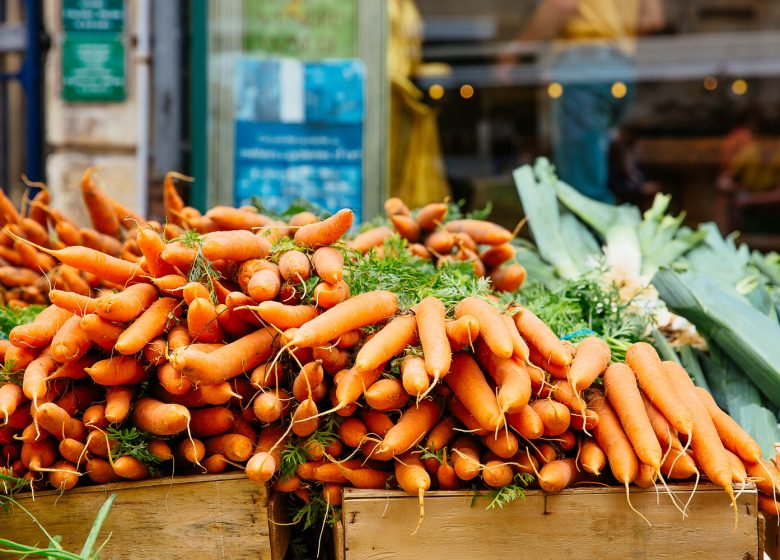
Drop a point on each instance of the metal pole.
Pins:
(142, 75)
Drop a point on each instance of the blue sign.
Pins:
(299, 133)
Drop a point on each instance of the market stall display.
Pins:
(315, 360)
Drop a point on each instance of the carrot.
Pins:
(465, 417)
(264, 285)
(95, 417)
(234, 245)
(98, 443)
(359, 311)
(150, 324)
(75, 303)
(562, 392)
(128, 219)
(156, 352)
(508, 278)
(101, 213)
(465, 458)
(249, 268)
(365, 477)
(613, 441)
(623, 394)
(431, 216)
(768, 505)
(17, 358)
(328, 263)
(37, 455)
(510, 375)
(152, 245)
(194, 290)
(394, 206)
(371, 238)
(171, 284)
(386, 394)
(127, 304)
(160, 449)
(130, 468)
(388, 342)
(294, 266)
(64, 477)
(267, 375)
(557, 475)
(216, 394)
(483, 232)
(68, 233)
(590, 360)
(261, 467)
(462, 332)
(413, 479)
(555, 416)
(270, 406)
(539, 335)
(119, 370)
(118, 401)
(468, 383)
(644, 361)
(430, 314)
(58, 422)
(34, 381)
(302, 218)
(227, 362)
(705, 442)
(591, 458)
(11, 396)
(74, 282)
(407, 227)
(107, 244)
(191, 450)
(229, 218)
(104, 333)
(414, 423)
(738, 472)
(504, 445)
(765, 475)
(310, 376)
(327, 231)
(734, 438)
(234, 447)
(42, 329)
(202, 324)
(495, 256)
(497, 474)
(333, 359)
(304, 419)
(159, 418)
(329, 295)
(100, 471)
(72, 450)
(492, 328)
(526, 422)
(285, 316)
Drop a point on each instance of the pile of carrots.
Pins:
(231, 340)
(431, 236)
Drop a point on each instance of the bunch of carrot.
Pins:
(232, 339)
(431, 235)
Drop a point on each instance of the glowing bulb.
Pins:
(739, 87)
(466, 91)
(619, 90)
(436, 91)
(555, 90)
(710, 83)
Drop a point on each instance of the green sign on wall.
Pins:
(93, 15)
(93, 67)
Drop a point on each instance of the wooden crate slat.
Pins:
(181, 518)
(577, 523)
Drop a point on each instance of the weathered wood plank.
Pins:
(183, 518)
(579, 523)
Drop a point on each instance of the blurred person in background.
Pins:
(593, 43)
(417, 173)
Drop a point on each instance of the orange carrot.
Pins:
(462, 332)
(75, 303)
(64, 477)
(359, 311)
(504, 445)
(413, 479)
(72, 450)
(414, 423)
(388, 342)
(407, 227)
(394, 206)
(613, 441)
(95, 417)
(555, 416)
(11, 396)
(152, 245)
(156, 352)
(227, 218)
(261, 467)
(234, 447)
(294, 266)
(150, 324)
(665, 433)
(215, 464)
(302, 218)
(310, 376)
(386, 394)
(264, 285)
(734, 438)
(57, 422)
(234, 245)
(100, 471)
(492, 328)
(35, 374)
(431, 215)
(304, 419)
(285, 316)
(644, 361)
(119, 370)
(130, 468)
(118, 401)
(465, 458)
(483, 232)
(229, 361)
(465, 417)
(107, 244)
(508, 278)
(526, 422)
(101, 213)
(430, 314)
(194, 290)
(372, 238)
(43, 328)
(509, 374)
(497, 474)
(191, 450)
(202, 324)
(557, 475)
(160, 419)
(171, 284)
(591, 457)
(104, 333)
(468, 383)
(590, 360)
(539, 335)
(328, 263)
(623, 394)
(325, 232)
(495, 256)
(270, 406)
(328, 295)
(127, 304)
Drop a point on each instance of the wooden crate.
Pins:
(578, 523)
(192, 517)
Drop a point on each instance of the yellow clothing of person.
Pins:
(605, 22)
(416, 164)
